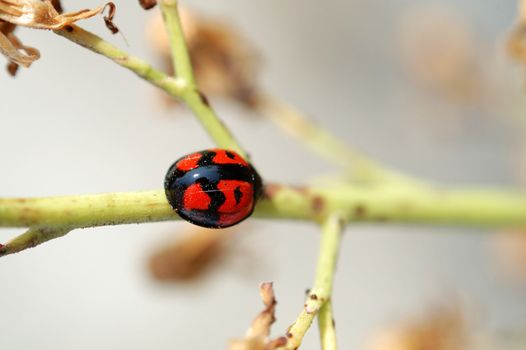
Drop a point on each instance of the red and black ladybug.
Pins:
(214, 188)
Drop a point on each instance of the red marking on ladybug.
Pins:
(195, 198)
(189, 162)
(238, 195)
(238, 202)
(213, 188)
(228, 157)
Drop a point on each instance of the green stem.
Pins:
(476, 208)
(31, 238)
(180, 87)
(327, 327)
(355, 163)
(144, 70)
(222, 137)
(180, 57)
(397, 204)
(322, 289)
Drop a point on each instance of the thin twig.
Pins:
(180, 56)
(33, 237)
(322, 289)
(355, 163)
(327, 327)
(193, 97)
(175, 87)
(140, 67)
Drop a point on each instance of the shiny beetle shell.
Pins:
(214, 188)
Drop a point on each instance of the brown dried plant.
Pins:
(191, 256)
(224, 62)
(442, 329)
(516, 44)
(257, 336)
(37, 14)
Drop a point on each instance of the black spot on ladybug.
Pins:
(313, 297)
(206, 158)
(217, 198)
(238, 194)
(230, 155)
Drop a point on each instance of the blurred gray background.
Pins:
(76, 123)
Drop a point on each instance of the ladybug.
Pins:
(214, 188)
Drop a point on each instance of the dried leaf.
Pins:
(57, 5)
(17, 53)
(39, 14)
(259, 331)
(261, 325)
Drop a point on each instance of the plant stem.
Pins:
(31, 238)
(398, 204)
(327, 327)
(144, 70)
(194, 98)
(176, 87)
(290, 119)
(321, 291)
(180, 57)
(221, 135)
(476, 208)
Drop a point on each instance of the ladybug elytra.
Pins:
(214, 188)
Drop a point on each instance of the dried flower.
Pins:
(38, 14)
(14, 50)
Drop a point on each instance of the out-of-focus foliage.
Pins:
(191, 256)
(225, 64)
(441, 329)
